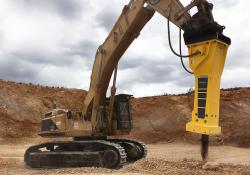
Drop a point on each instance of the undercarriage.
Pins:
(108, 153)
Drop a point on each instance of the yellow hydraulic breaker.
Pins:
(207, 67)
(207, 47)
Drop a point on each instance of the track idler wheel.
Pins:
(135, 150)
(110, 159)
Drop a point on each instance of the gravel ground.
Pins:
(172, 158)
(147, 166)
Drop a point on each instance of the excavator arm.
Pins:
(135, 15)
(127, 28)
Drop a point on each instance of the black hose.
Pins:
(179, 55)
(171, 47)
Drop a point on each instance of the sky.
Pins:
(53, 43)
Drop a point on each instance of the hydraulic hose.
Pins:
(181, 57)
(180, 54)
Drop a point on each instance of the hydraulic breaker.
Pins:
(207, 67)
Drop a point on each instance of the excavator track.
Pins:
(97, 153)
(134, 149)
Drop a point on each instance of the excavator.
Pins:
(95, 128)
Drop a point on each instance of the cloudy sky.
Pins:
(53, 42)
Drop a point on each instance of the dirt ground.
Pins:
(163, 158)
(159, 121)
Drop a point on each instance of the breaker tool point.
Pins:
(204, 146)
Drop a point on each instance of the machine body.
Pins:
(103, 116)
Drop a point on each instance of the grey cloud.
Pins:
(129, 63)
(85, 48)
(154, 71)
(70, 9)
(1, 37)
(15, 69)
(21, 69)
(184, 80)
(157, 73)
(66, 8)
(106, 19)
(28, 66)
(41, 58)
